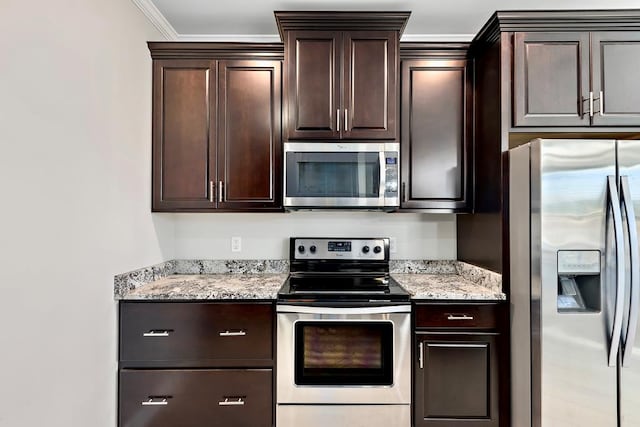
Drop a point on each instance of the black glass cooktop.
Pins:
(321, 287)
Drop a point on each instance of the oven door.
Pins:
(342, 175)
(344, 355)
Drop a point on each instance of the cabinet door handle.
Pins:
(338, 119)
(212, 190)
(420, 353)
(601, 104)
(220, 191)
(459, 317)
(237, 401)
(590, 104)
(157, 333)
(239, 333)
(346, 120)
(404, 192)
(153, 401)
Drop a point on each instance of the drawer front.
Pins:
(196, 334)
(467, 316)
(195, 398)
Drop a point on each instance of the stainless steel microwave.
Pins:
(345, 175)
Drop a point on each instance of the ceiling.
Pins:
(454, 20)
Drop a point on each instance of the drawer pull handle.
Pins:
(157, 333)
(459, 317)
(237, 401)
(233, 333)
(154, 402)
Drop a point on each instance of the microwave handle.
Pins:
(383, 177)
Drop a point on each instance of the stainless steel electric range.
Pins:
(343, 337)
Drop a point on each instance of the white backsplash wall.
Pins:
(266, 235)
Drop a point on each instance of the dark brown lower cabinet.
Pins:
(195, 398)
(196, 364)
(456, 379)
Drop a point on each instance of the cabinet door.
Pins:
(456, 380)
(196, 398)
(183, 134)
(551, 79)
(249, 135)
(615, 60)
(312, 84)
(370, 85)
(435, 143)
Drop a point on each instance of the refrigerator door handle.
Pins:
(630, 336)
(616, 333)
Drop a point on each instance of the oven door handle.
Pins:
(406, 308)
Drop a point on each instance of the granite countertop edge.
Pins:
(198, 280)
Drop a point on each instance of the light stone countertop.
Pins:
(210, 286)
(446, 287)
(261, 279)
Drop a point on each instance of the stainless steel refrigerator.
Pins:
(574, 277)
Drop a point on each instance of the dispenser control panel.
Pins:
(579, 262)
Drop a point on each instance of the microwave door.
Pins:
(342, 179)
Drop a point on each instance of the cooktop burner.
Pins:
(340, 270)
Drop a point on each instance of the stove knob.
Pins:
(377, 249)
(365, 249)
(301, 249)
(312, 249)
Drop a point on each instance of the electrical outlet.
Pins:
(393, 245)
(236, 244)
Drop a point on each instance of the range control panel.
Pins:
(334, 248)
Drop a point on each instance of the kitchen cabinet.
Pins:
(532, 74)
(196, 363)
(458, 365)
(216, 130)
(615, 59)
(436, 110)
(576, 79)
(341, 78)
(195, 398)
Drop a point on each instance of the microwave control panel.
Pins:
(391, 175)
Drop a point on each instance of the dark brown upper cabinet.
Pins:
(183, 161)
(341, 74)
(435, 151)
(532, 74)
(216, 127)
(576, 79)
(249, 142)
(615, 61)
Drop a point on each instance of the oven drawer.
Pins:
(452, 316)
(154, 334)
(195, 398)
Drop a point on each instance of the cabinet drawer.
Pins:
(196, 334)
(467, 316)
(195, 398)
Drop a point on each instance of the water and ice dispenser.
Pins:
(579, 278)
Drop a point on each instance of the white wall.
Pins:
(75, 143)
(265, 236)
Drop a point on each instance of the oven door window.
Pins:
(334, 175)
(343, 353)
